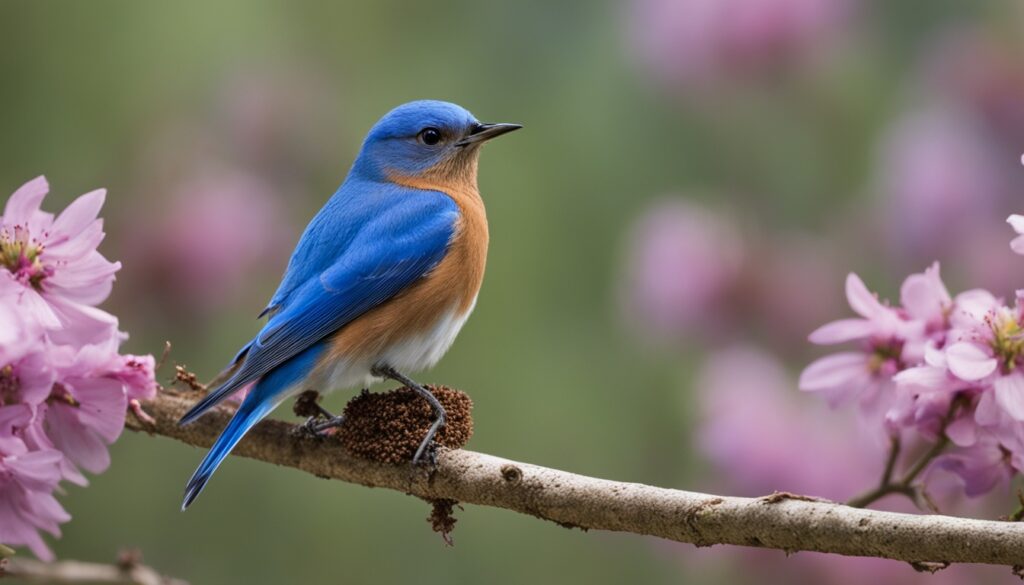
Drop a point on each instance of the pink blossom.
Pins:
(86, 408)
(28, 479)
(64, 386)
(789, 311)
(981, 467)
(1017, 223)
(27, 377)
(890, 374)
(697, 40)
(882, 333)
(970, 370)
(939, 179)
(18, 332)
(683, 262)
(797, 447)
(54, 261)
(218, 232)
(137, 373)
(982, 72)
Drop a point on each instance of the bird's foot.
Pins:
(333, 422)
(319, 419)
(306, 429)
(317, 426)
(426, 453)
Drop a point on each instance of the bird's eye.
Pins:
(430, 136)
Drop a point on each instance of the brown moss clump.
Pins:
(441, 519)
(306, 404)
(388, 427)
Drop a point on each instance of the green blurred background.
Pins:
(140, 97)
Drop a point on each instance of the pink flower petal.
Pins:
(988, 413)
(35, 378)
(1017, 223)
(924, 296)
(25, 202)
(34, 307)
(88, 280)
(862, 301)
(933, 356)
(971, 307)
(37, 471)
(102, 405)
(980, 467)
(1017, 244)
(962, 431)
(78, 215)
(72, 248)
(925, 378)
(1009, 391)
(841, 331)
(969, 362)
(81, 324)
(15, 529)
(80, 445)
(836, 370)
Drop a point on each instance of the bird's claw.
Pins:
(306, 429)
(317, 426)
(332, 423)
(426, 456)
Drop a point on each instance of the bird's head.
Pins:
(426, 139)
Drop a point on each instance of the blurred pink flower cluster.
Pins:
(695, 41)
(244, 230)
(801, 448)
(939, 366)
(942, 178)
(64, 386)
(694, 273)
(221, 183)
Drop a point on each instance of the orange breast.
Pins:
(452, 285)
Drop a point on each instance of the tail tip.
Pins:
(190, 416)
(193, 489)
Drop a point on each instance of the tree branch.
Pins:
(77, 572)
(781, 521)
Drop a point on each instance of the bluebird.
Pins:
(381, 281)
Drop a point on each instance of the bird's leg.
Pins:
(331, 423)
(384, 371)
(319, 419)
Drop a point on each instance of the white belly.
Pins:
(413, 354)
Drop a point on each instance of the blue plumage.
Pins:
(265, 395)
(374, 239)
(387, 237)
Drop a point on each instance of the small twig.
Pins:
(890, 463)
(163, 357)
(1018, 514)
(183, 375)
(936, 449)
(905, 485)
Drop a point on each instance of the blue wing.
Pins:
(389, 238)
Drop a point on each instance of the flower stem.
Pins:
(905, 485)
(890, 462)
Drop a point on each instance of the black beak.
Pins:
(483, 132)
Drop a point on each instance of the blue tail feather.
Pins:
(269, 391)
(215, 397)
(247, 416)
